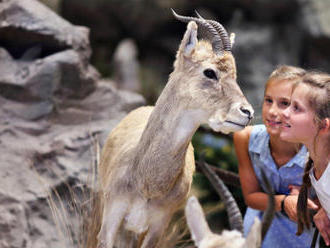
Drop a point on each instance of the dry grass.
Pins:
(72, 203)
(75, 208)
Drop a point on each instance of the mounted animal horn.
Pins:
(234, 213)
(217, 44)
(221, 30)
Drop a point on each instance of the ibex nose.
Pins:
(247, 112)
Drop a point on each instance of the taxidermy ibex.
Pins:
(147, 162)
(205, 238)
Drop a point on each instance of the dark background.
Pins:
(268, 33)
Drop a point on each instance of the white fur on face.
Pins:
(201, 233)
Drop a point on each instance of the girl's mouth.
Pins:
(274, 123)
(286, 125)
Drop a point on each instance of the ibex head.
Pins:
(207, 71)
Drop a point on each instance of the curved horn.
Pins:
(216, 38)
(270, 211)
(221, 31)
(234, 214)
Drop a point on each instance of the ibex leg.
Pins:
(156, 230)
(113, 215)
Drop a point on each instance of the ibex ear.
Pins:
(254, 237)
(189, 40)
(196, 221)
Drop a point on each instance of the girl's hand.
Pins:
(322, 223)
(290, 206)
(294, 189)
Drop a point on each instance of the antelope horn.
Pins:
(221, 31)
(234, 214)
(270, 211)
(216, 38)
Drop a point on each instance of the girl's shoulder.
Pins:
(251, 132)
(242, 137)
(259, 132)
(244, 133)
(259, 139)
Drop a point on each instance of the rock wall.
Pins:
(53, 106)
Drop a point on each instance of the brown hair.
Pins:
(303, 216)
(318, 100)
(285, 72)
(319, 95)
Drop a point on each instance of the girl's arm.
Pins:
(322, 223)
(253, 195)
(290, 206)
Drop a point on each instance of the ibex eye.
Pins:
(210, 74)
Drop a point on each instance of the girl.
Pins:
(260, 148)
(307, 121)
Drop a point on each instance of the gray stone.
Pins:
(13, 223)
(315, 17)
(126, 66)
(44, 81)
(40, 26)
(54, 109)
(315, 14)
(44, 59)
(41, 155)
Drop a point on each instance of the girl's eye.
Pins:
(210, 74)
(284, 103)
(295, 107)
(268, 100)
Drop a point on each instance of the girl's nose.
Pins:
(273, 109)
(285, 112)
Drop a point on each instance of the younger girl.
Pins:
(260, 148)
(307, 121)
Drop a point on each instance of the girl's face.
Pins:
(298, 121)
(276, 100)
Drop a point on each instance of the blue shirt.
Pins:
(282, 232)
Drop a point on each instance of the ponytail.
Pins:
(304, 218)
